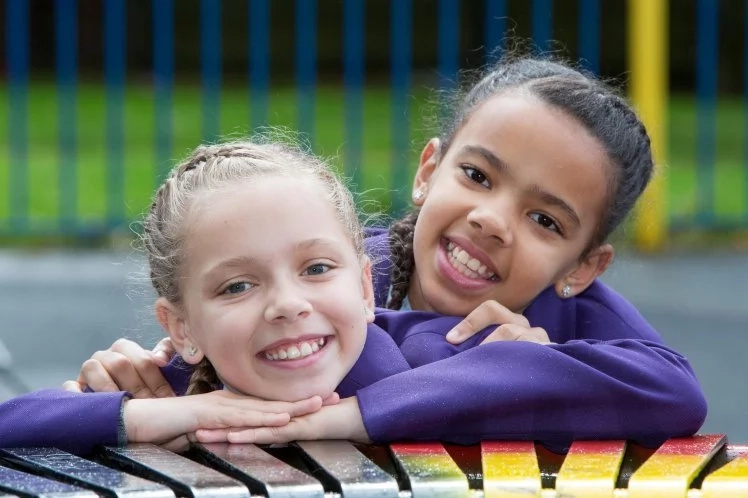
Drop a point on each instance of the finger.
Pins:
(242, 418)
(178, 445)
(94, 375)
(147, 373)
(332, 399)
(305, 406)
(72, 386)
(120, 371)
(487, 313)
(163, 351)
(212, 435)
(265, 435)
(511, 332)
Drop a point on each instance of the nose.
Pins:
(286, 304)
(492, 223)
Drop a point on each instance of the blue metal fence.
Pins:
(17, 216)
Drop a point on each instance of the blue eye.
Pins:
(317, 269)
(546, 222)
(475, 175)
(237, 287)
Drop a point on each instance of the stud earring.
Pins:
(418, 195)
(192, 350)
(566, 291)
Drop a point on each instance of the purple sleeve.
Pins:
(625, 389)
(73, 422)
(379, 359)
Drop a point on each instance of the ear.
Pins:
(586, 271)
(368, 290)
(426, 166)
(171, 318)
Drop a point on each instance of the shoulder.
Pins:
(597, 313)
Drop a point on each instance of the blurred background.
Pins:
(101, 97)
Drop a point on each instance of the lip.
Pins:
(282, 343)
(457, 279)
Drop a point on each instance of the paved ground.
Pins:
(57, 308)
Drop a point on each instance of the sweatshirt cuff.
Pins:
(121, 430)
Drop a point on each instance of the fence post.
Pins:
(648, 60)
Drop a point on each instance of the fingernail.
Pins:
(453, 334)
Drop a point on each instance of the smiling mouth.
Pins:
(467, 265)
(295, 351)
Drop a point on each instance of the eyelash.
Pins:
(555, 227)
(470, 171)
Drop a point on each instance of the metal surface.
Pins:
(261, 471)
(186, 477)
(85, 473)
(25, 484)
(697, 467)
(348, 471)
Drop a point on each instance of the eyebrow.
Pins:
(501, 167)
(489, 156)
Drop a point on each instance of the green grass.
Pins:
(141, 170)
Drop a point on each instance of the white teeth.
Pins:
(470, 267)
(295, 351)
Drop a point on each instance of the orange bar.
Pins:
(672, 468)
(591, 469)
(510, 469)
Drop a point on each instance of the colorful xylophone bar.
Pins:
(700, 466)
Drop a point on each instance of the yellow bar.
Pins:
(671, 469)
(590, 469)
(648, 62)
(730, 481)
(510, 469)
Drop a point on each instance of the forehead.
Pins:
(542, 144)
(266, 215)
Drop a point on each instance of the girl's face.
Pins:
(509, 209)
(273, 291)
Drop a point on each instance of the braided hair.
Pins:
(211, 168)
(606, 116)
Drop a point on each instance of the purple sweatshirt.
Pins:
(609, 376)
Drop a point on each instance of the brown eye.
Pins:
(475, 175)
(546, 222)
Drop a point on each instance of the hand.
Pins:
(340, 421)
(515, 327)
(126, 366)
(169, 421)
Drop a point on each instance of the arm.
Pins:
(624, 389)
(70, 421)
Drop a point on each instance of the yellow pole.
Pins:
(648, 62)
